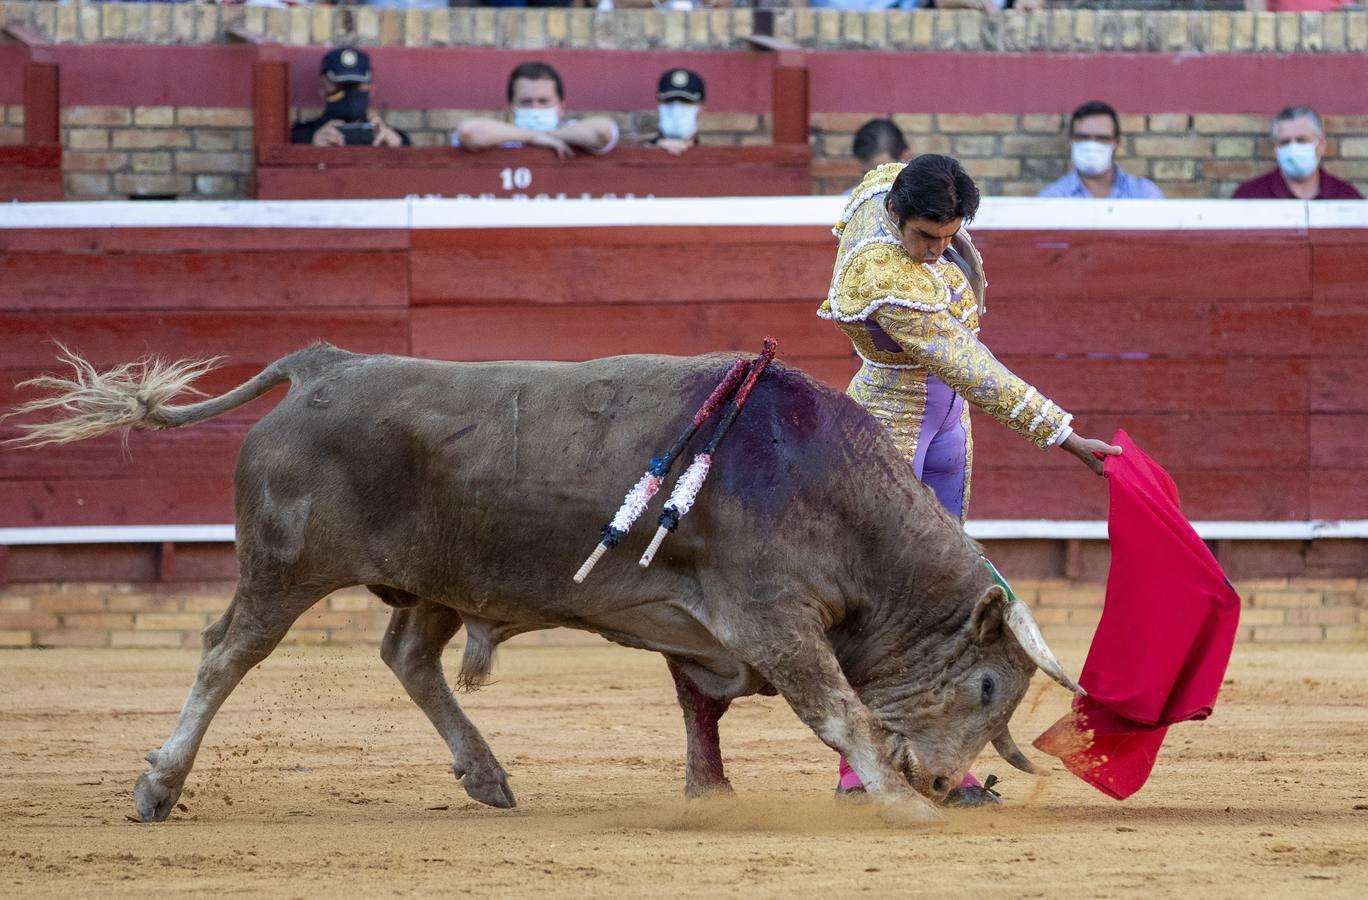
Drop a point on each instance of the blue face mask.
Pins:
(678, 121)
(542, 118)
(1297, 160)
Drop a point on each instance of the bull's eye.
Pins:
(986, 688)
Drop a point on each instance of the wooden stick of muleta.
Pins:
(634, 504)
(691, 482)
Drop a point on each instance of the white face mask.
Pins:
(1091, 158)
(1297, 160)
(541, 118)
(678, 121)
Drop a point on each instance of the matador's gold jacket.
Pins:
(929, 318)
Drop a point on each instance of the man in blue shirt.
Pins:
(1094, 133)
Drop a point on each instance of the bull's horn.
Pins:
(1023, 626)
(1008, 750)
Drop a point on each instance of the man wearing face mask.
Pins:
(679, 97)
(346, 80)
(1094, 135)
(536, 99)
(1299, 142)
(907, 290)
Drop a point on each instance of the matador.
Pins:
(908, 290)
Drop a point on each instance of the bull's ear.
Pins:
(986, 620)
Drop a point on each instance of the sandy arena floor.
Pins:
(319, 778)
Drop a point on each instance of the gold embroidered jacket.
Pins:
(932, 314)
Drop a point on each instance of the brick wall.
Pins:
(1188, 156)
(113, 152)
(11, 125)
(159, 615)
(116, 152)
(88, 614)
(1073, 30)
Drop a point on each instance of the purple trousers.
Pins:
(942, 448)
(941, 463)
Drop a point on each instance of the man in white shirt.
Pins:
(1094, 136)
(536, 99)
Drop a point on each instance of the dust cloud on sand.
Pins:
(320, 778)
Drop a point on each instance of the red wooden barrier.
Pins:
(285, 172)
(270, 104)
(32, 172)
(42, 116)
(304, 172)
(1235, 358)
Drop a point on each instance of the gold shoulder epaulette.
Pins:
(876, 181)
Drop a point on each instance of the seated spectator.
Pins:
(346, 83)
(1299, 142)
(680, 95)
(1094, 134)
(535, 98)
(393, 4)
(989, 6)
(986, 6)
(878, 142)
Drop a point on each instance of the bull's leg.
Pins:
(803, 668)
(412, 648)
(703, 772)
(245, 635)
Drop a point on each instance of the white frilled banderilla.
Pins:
(687, 488)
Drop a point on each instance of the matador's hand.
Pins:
(1090, 451)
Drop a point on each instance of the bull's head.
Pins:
(950, 701)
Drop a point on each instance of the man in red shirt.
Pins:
(1299, 139)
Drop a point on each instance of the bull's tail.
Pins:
(133, 395)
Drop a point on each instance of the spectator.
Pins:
(1299, 143)
(396, 4)
(680, 96)
(986, 6)
(1094, 134)
(536, 96)
(879, 142)
(523, 3)
(346, 83)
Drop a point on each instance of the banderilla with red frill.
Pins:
(687, 488)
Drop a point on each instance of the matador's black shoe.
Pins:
(982, 795)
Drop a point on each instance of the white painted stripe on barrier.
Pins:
(663, 211)
(1016, 213)
(1337, 214)
(382, 214)
(1092, 530)
(117, 534)
(983, 530)
(1036, 214)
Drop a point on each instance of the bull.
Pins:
(814, 566)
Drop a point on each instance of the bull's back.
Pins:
(501, 474)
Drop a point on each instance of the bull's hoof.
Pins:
(489, 787)
(154, 801)
(722, 788)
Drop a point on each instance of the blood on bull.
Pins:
(815, 565)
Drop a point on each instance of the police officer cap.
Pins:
(346, 65)
(680, 84)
